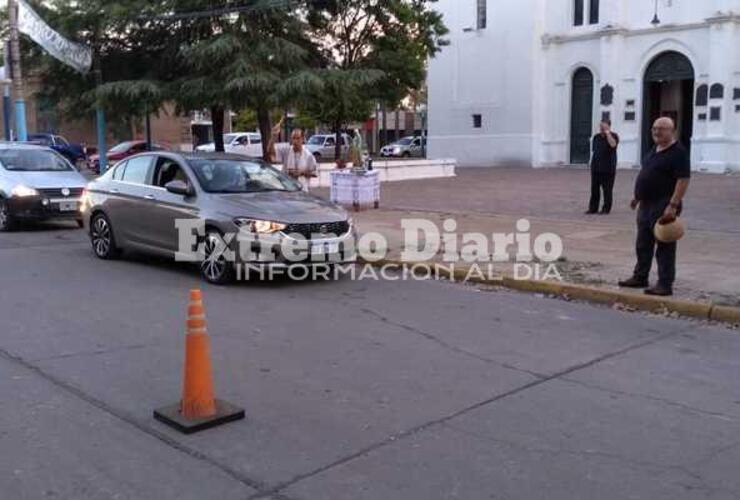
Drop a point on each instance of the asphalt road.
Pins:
(353, 390)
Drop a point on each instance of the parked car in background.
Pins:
(122, 151)
(243, 143)
(323, 146)
(136, 204)
(75, 153)
(37, 183)
(408, 147)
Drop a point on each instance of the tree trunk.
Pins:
(265, 125)
(384, 141)
(338, 139)
(217, 118)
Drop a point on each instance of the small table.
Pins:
(358, 189)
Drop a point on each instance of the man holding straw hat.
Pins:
(659, 192)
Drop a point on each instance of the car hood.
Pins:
(207, 148)
(291, 208)
(43, 180)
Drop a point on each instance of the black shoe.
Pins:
(659, 291)
(604, 212)
(634, 283)
(590, 212)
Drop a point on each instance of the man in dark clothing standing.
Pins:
(603, 168)
(659, 193)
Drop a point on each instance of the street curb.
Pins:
(726, 314)
(588, 293)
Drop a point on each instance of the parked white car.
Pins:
(323, 146)
(37, 183)
(243, 143)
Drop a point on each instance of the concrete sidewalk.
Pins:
(598, 249)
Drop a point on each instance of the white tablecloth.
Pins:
(358, 190)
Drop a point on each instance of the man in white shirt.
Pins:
(298, 162)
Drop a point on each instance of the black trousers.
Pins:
(648, 247)
(602, 181)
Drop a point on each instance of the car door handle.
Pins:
(114, 191)
(149, 197)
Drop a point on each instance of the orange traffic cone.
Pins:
(198, 409)
(198, 400)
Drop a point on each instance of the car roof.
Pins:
(22, 146)
(198, 155)
(329, 135)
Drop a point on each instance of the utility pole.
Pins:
(15, 60)
(100, 121)
(7, 82)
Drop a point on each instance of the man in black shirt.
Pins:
(603, 168)
(659, 192)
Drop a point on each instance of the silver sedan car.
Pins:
(404, 148)
(222, 211)
(37, 183)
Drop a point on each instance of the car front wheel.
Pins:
(102, 239)
(216, 268)
(7, 221)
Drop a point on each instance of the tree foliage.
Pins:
(373, 50)
(331, 58)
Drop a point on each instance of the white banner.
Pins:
(70, 53)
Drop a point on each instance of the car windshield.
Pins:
(406, 141)
(229, 138)
(121, 148)
(316, 140)
(33, 160)
(240, 176)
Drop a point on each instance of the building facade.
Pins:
(43, 116)
(527, 81)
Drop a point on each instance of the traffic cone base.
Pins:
(172, 416)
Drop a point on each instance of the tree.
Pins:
(100, 25)
(274, 66)
(184, 51)
(372, 50)
(332, 58)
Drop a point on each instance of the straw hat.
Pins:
(669, 232)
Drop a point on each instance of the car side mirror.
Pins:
(179, 188)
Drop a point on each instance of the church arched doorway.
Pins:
(668, 91)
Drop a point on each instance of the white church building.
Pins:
(526, 82)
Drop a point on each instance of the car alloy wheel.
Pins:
(7, 223)
(101, 236)
(215, 268)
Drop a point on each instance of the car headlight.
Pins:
(22, 191)
(259, 226)
(84, 201)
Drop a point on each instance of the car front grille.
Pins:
(319, 230)
(57, 193)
